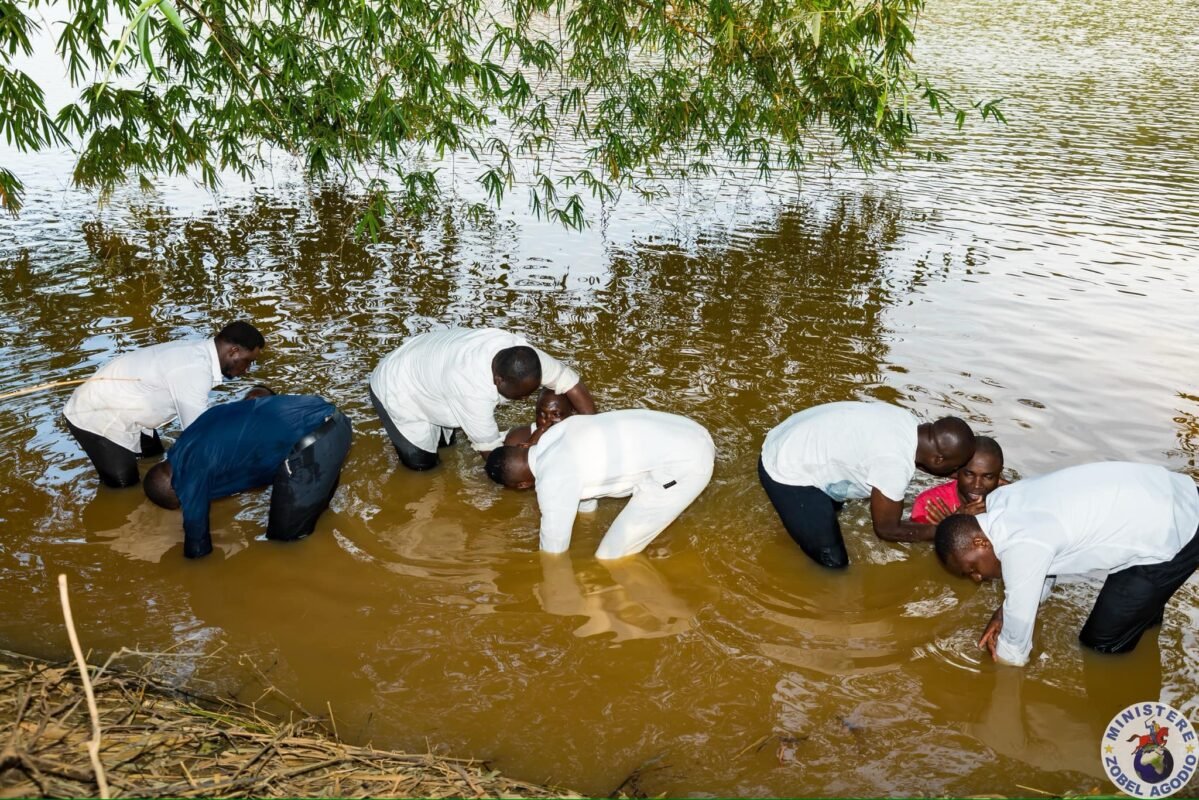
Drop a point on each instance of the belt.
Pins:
(309, 439)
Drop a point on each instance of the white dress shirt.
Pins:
(442, 380)
(845, 450)
(1106, 516)
(145, 389)
(615, 454)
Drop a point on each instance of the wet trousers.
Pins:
(810, 517)
(116, 465)
(410, 455)
(307, 478)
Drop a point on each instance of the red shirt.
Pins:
(946, 491)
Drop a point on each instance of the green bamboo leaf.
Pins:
(143, 41)
(168, 11)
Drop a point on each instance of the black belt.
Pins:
(309, 439)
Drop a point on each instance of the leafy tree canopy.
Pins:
(367, 90)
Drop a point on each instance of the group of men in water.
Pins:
(1137, 522)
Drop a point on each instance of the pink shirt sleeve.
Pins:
(946, 491)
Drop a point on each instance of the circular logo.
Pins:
(1149, 750)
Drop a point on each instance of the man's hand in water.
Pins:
(990, 637)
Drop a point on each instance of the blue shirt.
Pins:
(233, 447)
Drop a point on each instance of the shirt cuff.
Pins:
(1007, 654)
(488, 446)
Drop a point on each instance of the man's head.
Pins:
(980, 476)
(509, 466)
(157, 486)
(944, 446)
(259, 391)
(552, 408)
(238, 345)
(516, 372)
(965, 550)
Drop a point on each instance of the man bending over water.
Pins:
(295, 442)
(819, 458)
(663, 460)
(1136, 521)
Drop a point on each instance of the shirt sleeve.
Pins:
(189, 388)
(193, 500)
(891, 477)
(558, 499)
(556, 375)
(476, 417)
(1026, 581)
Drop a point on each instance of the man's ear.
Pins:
(981, 541)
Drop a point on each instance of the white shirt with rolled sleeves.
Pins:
(845, 449)
(442, 380)
(1106, 516)
(663, 460)
(145, 389)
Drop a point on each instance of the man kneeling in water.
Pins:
(552, 408)
(296, 442)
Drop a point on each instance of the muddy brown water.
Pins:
(1042, 284)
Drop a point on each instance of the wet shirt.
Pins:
(845, 450)
(442, 380)
(609, 455)
(233, 447)
(946, 492)
(145, 389)
(1107, 516)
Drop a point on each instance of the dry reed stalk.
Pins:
(160, 742)
(93, 746)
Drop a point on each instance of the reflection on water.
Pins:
(1041, 284)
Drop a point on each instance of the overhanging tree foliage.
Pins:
(652, 89)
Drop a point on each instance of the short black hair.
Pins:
(157, 486)
(242, 334)
(988, 446)
(518, 365)
(499, 464)
(260, 387)
(955, 535)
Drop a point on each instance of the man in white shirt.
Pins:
(820, 457)
(116, 414)
(663, 460)
(454, 378)
(1136, 521)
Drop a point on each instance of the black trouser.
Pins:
(116, 465)
(1133, 600)
(810, 517)
(410, 455)
(307, 478)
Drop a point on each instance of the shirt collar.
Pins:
(217, 377)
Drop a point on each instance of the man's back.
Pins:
(1108, 515)
(144, 389)
(844, 449)
(237, 446)
(611, 452)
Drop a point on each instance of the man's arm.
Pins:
(887, 517)
(580, 397)
(476, 417)
(193, 500)
(558, 501)
(1025, 576)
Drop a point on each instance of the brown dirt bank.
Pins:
(160, 741)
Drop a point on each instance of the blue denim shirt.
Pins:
(233, 447)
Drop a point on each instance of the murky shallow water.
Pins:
(1043, 284)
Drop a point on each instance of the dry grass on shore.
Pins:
(158, 742)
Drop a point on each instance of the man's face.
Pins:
(979, 477)
(236, 360)
(978, 563)
(551, 411)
